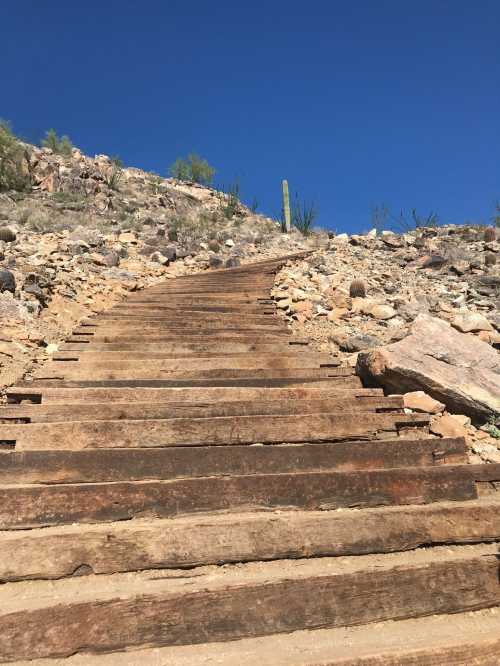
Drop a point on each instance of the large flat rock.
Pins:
(457, 369)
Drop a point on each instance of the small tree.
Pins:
(60, 145)
(194, 169)
(12, 152)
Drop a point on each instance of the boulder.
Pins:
(458, 370)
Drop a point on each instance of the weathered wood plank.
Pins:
(25, 506)
(144, 410)
(57, 552)
(218, 431)
(262, 382)
(186, 349)
(108, 465)
(187, 338)
(163, 369)
(461, 639)
(192, 395)
(226, 607)
(155, 361)
(202, 360)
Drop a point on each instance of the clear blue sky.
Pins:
(356, 103)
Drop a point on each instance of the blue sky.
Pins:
(356, 103)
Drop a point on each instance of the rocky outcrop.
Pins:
(457, 369)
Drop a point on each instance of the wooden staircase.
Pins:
(187, 483)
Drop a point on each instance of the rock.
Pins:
(170, 252)
(432, 261)
(112, 259)
(382, 312)
(448, 426)
(302, 307)
(127, 237)
(419, 401)
(7, 281)
(215, 261)
(36, 291)
(159, 258)
(229, 242)
(460, 267)
(356, 343)
(470, 322)
(232, 262)
(458, 370)
(393, 241)
(488, 452)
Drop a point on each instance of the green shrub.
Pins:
(230, 201)
(303, 216)
(60, 145)
(12, 153)
(193, 169)
(114, 178)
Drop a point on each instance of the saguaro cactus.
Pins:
(286, 206)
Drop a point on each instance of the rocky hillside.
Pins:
(89, 231)
(417, 313)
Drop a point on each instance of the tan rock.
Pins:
(470, 322)
(447, 426)
(419, 401)
(456, 369)
(488, 452)
(337, 313)
(382, 312)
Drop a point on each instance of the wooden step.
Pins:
(206, 431)
(166, 369)
(211, 394)
(144, 410)
(184, 349)
(58, 552)
(302, 380)
(461, 639)
(26, 506)
(108, 465)
(157, 608)
(202, 360)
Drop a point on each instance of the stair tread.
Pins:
(461, 639)
(40, 593)
(145, 543)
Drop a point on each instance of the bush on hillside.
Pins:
(193, 169)
(12, 152)
(303, 216)
(60, 145)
